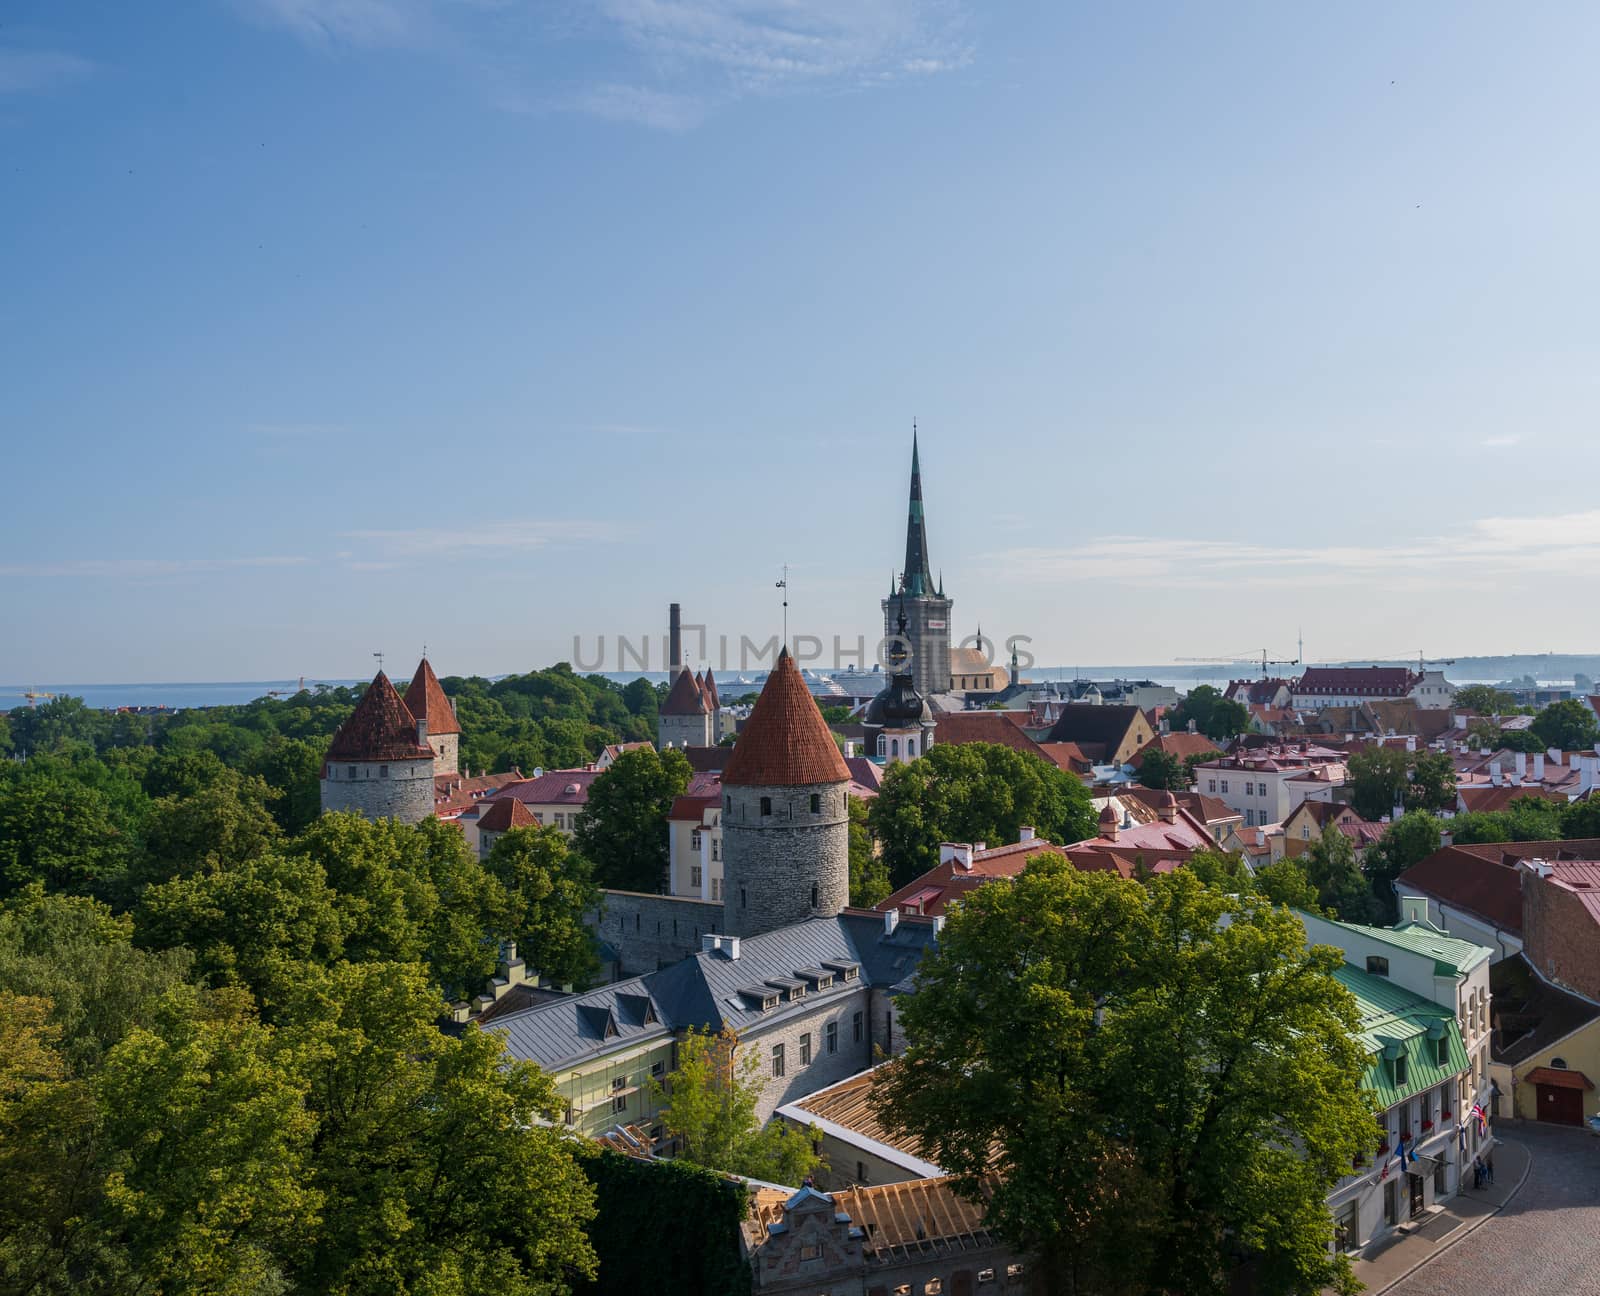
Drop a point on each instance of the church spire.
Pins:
(916, 580)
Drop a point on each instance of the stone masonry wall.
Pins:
(446, 753)
(406, 794)
(683, 731)
(653, 931)
(825, 1068)
(787, 866)
(1559, 936)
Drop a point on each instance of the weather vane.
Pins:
(784, 586)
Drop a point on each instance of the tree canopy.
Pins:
(1569, 724)
(1219, 718)
(972, 792)
(1152, 1084)
(622, 831)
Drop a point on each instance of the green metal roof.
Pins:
(1394, 1019)
(1452, 957)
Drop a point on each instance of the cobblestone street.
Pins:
(1546, 1240)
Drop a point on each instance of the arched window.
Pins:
(1558, 1064)
(816, 803)
(766, 806)
(894, 747)
(911, 746)
(883, 745)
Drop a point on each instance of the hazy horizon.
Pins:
(333, 328)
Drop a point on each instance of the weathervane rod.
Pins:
(784, 586)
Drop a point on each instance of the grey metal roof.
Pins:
(704, 990)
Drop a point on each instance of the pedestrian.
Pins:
(1488, 1166)
(1477, 1172)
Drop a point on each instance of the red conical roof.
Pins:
(709, 687)
(684, 698)
(785, 741)
(426, 700)
(379, 729)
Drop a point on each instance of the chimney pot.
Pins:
(1026, 834)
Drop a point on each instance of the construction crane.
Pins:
(1240, 658)
(33, 696)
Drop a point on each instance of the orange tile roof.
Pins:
(684, 697)
(426, 700)
(785, 742)
(379, 729)
(506, 814)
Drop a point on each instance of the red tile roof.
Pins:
(1560, 1079)
(504, 815)
(707, 759)
(1356, 681)
(708, 686)
(1256, 692)
(1581, 878)
(684, 698)
(557, 787)
(945, 883)
(1463, 878)
(785, 742)
(426, 700)
(1068, 756)
(954, 727)
(1483, 799)
(379, 729)
(1181, 745)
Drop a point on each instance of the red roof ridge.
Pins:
(785, 742)
(426, 700)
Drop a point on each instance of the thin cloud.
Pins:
(1500, 442)
(137, 568)
(323, 24)
(503, 536)
(26, 71)
(640, 106)
(1490, 548)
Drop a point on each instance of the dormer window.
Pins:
(1377, 965)
(1401, 1071)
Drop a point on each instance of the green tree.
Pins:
(1485, 699)
(440, 1162)
(972, 792)
(1164, 772)
(1378, 781)
(1149, 1084)
(1526, 818)
(623, 828)
(1219, 868)
(1582, 819)
(1284, 882)
(548, 890)
(1433, 782)
(1330, 866)
(1569, 725)
(56, 831)
(207, 1186)
(1407, 841)
(1219, 718)
(225, 822)
(292, 767)
(869, 875)
(711, 1111)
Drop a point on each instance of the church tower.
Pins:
(919, 601)
(785, 813)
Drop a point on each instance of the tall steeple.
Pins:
(916, 580)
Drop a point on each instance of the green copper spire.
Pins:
(916, 580)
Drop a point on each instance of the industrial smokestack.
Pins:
(674, 638)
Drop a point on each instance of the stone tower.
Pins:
(379, 762)
(920, 601)
(426, 701)
(686, 717)
(785, 816)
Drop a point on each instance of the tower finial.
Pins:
(917, 579)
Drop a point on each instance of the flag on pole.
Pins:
(1481, 1116)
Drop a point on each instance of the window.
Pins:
(766, 807)
(1347, 1227)
(727, 803)
(805, 1049)
(694, 876)
(777, 1060)
(883, 745)
(812, 1251)
(1250, 818)
(716, 888)
(816, 803)
(716, 849)
(1401, 1070)
(1558, 1064)
(1377, 965)
(619, 1099)
(911, 746)
(933, 1287)
(861, 1172)
(743, 898)
(1013, 1271)
(1211, 785)
(1224, 785)
(855, 1023)
(986, 1275)
(813, 895)
(658, 1069)
(694, 840)
(1442, 1051)
(351, 772)
(830, 1037)
(383, 771)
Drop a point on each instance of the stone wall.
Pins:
(404, 793)
(446, 753)
(683, 731)
(786, 866)
(825, 1068)
(653, 931)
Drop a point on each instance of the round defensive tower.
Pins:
(785, 816)
(379, 762)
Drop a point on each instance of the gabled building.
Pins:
(1324, 686)
(1310, 819)
(1107, 735)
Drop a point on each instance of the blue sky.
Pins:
(332, 326)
